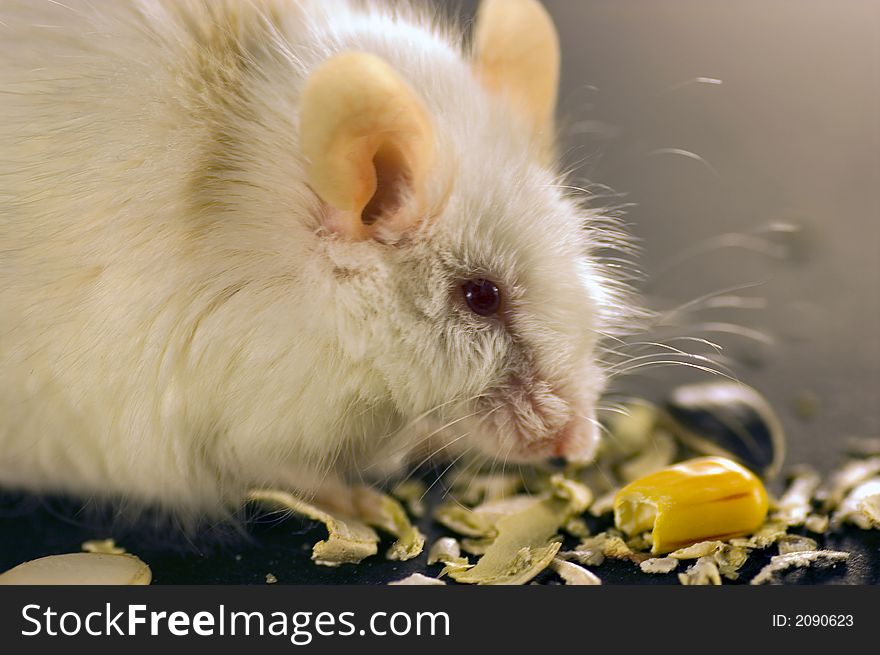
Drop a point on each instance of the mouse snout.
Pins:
(533, 422)
(578, 440)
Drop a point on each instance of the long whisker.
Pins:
(475, 462)
(427, 413)
(602, 409)
(410, 446)
(681, 152)
(701, 299)
(451, 464)
(738, 330)
(628, 365)
(665, 344)
(458, 477)
(710, 81)
(666, 348)
(659, 364)
(736, 302)
(433, 454)
(741, 241)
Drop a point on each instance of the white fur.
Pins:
(175, 325)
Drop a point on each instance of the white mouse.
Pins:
(269, 242)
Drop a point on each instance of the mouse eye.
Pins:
(482, 296)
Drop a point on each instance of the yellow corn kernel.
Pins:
(698, 500)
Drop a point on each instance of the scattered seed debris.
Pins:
(604, 504)
(479, 522)
(574, 574)
(80, 569)
(793, 543)
(474, 546)
(482, 488)
(349, 541)
(445, 548)
(697, 550)
(616, 548)
(862, 446)
(817, 523)
(779, 564)
(642, 541)
(730, 559)
(383, 512)
(703, 572)
(577, 527)
(411, 493)
(659, 565)
(861, 506)
(105, 546)
(631, 428)
(658, 453)
(510, 524)
(584, 557)
(526, 541)
(870, 507)
(767, 535)
(795, 504)
(454, 566)
(418, 579)
(852, 473)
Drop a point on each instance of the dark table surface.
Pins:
(36, 527)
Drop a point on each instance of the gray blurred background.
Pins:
(744, 139)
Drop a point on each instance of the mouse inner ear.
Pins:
(392, 185)
(368, 145)
(516, 54)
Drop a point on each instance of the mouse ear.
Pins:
(516, 52)
(368, 143)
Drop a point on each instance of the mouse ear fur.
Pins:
(516, 52)
(368, 143)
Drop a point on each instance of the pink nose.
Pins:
(578, 441)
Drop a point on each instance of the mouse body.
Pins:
(280, 243)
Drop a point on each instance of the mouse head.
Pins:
(469, 281)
